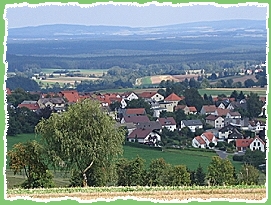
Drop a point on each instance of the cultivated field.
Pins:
(244, 193)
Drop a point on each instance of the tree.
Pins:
(254, 158)
(200, 176)
(248, 175)
(178, 176)
(29, 157)
(220, 172)
(234, 95)
(193, 98)
(158, 169)
(254, 105)
(82, 137)
(249, 83)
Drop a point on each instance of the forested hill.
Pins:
(234, 28)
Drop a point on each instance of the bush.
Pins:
(238, 158)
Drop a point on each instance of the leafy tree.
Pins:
(140, 103)
(82, 137)
(248, 175)
(234, 95)
(200, 176)
(254, 158)
(29, 157)
(178, 176)
(262, 81)
(220, 172)
(157, 171)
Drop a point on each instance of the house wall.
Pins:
(132, 96)
(157, 97)
(256, 144)
(171, 127)
(168, 106)
(219, 122)
(196, 144)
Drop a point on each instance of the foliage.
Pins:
(193, 98)
(248, 175)
(29, 157)
(23, 83)
(200, 176)
(18, 95)
(220, 172)
(254, 105)
(81, 137)
(254, 158)
(178, 176)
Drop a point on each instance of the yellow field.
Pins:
(195, 195)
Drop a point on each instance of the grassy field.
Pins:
(228, 91)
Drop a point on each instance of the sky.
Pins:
(23, 15)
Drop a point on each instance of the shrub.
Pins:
(238, 158)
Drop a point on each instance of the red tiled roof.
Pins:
(192, 109)
(70, 95)
(209, 136)
(138, 111)
(173, 97)
(243, 142)
(140, 133)
(147, 94)
(167, 121)
(209, 108)
(200, 140)
(31, 106)
(222, 112)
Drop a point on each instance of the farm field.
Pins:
(243, 193)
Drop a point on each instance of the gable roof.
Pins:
(234, 113)
(30, 106)
(227, 128)
(243, 142)
(192, 109)
(139, 133)
(200, 140)
(211, 117)
(209, 108)
(222, 112)
(72, 96)
(135, 111)
(258, 139)
(136, 119)
(154, 125)
(173, 97)
(58, 100)
(209, 136)
(166, 121)
(191, 122)
(147, 94)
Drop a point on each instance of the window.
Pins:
(259, 144)
(254, 143)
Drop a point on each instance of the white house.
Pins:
(168, 122)
(192, 124)
(257, 144)
(204, 140)
(130, 96)
(152, 96)
(144, 136)
(215, 121)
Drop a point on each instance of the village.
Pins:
(207, 128)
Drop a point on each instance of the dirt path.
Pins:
(195, 195)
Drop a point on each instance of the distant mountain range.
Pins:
(227, 28)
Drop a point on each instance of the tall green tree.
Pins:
(254, 105)
(29, 158)
(82, 137)
(193, 98)
(178, 176)
(200, 176)
(157, 171)
(220, 172)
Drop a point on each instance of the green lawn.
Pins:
(146, 80)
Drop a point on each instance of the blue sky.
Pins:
(129, 15)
